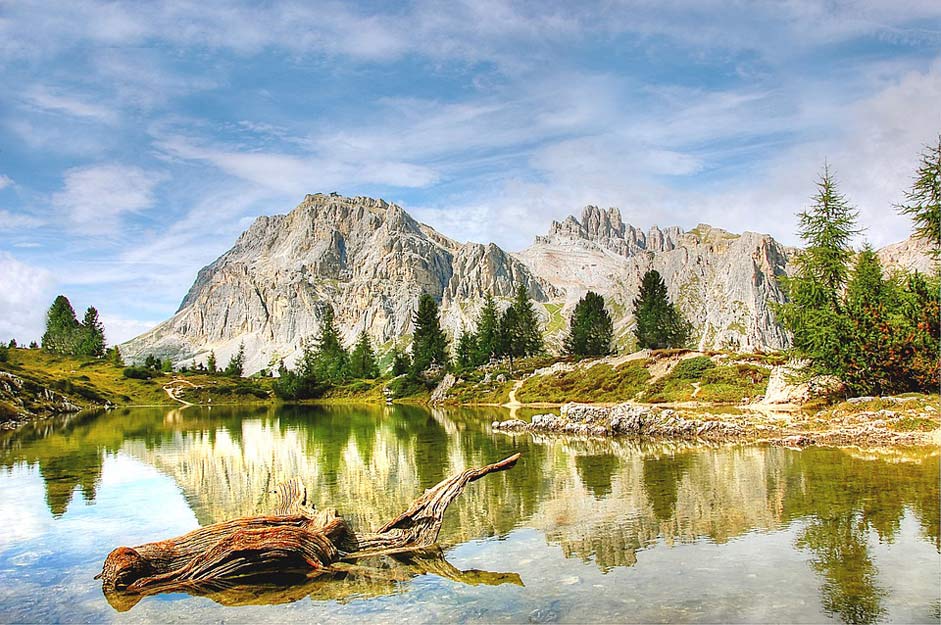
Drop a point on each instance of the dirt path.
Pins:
(174, 387)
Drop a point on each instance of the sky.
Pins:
(138, 140)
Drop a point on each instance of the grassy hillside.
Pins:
(90, 382)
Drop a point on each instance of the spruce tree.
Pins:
(488, 332)
(429, 343)
(211, 366)
(115, 357)
(528, 334)
(62, 328)
(827, 229)
(590, 328)
(658, 322)
(401, 364)
(509, 343)
(467, 350)
(91, 335)
(236, 363)
(866, 361)
(814, 312)
(330, 359)
(363, 359)
(923, 202)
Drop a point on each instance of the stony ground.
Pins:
(880, 421)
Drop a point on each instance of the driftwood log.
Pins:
(294, 543)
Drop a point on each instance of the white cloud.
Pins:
(18, 221)
(50, 101)
(5, 181)
(95, 197)
(119, 329)
(25, 293)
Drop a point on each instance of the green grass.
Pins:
(599, 383)
(733, 383)
(90, 381)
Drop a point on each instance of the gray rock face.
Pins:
(370, 260)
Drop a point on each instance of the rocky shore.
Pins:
(883, 426)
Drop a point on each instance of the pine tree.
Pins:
(467, 350)
(62, 328)
(509, 343)
(236, 363)
(429, 343)
(211, 366)
(659, 324)
(166, 365)
(330, 359)
(401, 364)
(115, 357)
(923, 202)
(527, 324)
(12, 344)
(590, 328)
(91, 341)
(363, 359)
(814, 311)
(867, 364)
(488, 331)
(152, 362)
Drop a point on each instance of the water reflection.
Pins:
(600, 502)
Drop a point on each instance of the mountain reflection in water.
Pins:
(601, 502)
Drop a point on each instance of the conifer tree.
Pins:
(211, 366)
(91, 335)
(429, 343)
(867, 364)
(509, 343)
(363, 359)
(62, 328)
(467, 350)
(659, 324)
(814, 311)
(401, 363)
(488, 332)
(115, 357)
(330, 359)
(590, 328)
(528, 335)
(923, 202)
(236, 363)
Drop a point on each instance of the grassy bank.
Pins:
(88, 383)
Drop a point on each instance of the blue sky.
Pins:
(137, 140)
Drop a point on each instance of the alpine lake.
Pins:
(579, 531)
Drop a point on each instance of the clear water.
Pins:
(578, 531)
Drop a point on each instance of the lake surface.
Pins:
(578, 531)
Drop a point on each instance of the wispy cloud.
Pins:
(94, 198)
(42, 98)
(5, 181)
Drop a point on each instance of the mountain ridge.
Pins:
(370, 260)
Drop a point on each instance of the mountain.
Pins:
(371, 260)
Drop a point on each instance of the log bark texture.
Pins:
(295, 540)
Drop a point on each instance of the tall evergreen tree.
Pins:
(509, 343)
(91, 335)
(814, 312)
(528, 334)
(867, 365)
(211, 366)
(115, 357)
(429, 343)
(590, 328)
(827, 229)
(236, 364)
(467, 351)
(330, 359)
(62, 328)
(363, 359)
(659, 323)
(488, 332)
(923, 202)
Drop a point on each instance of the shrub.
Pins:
(692, 368)
(138, 373)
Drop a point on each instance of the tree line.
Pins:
(878, 333)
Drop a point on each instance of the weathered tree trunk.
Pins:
(295, 540)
